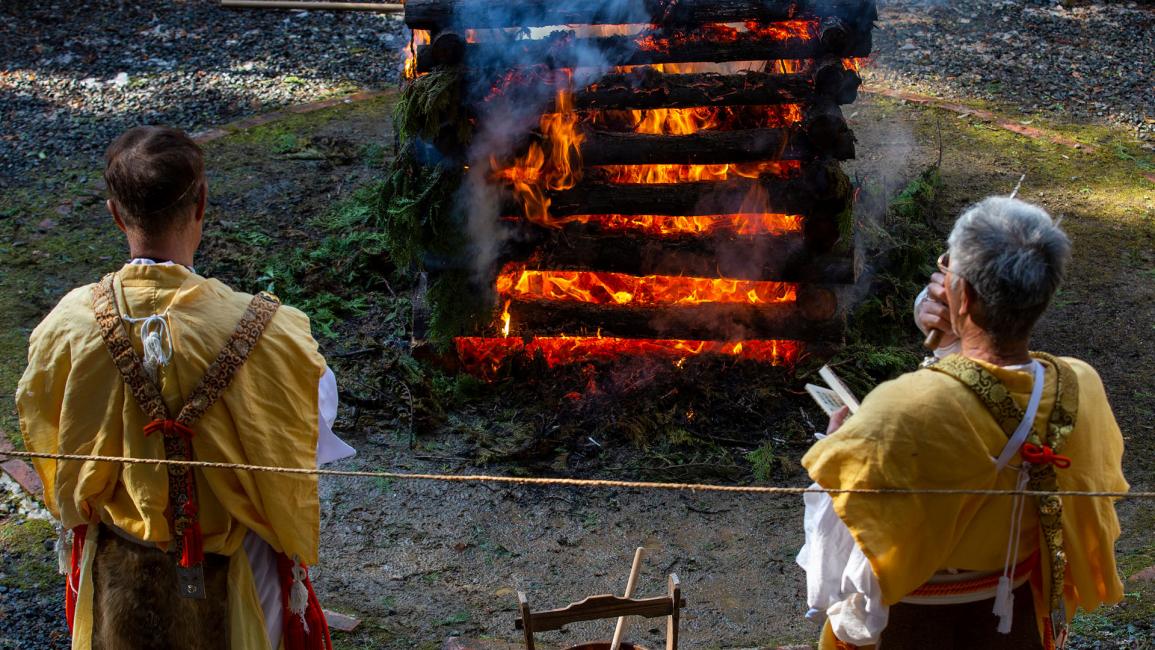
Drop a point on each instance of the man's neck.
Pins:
(979, 345)
(160, 253)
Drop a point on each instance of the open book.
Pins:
(833, 398)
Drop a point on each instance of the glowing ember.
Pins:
(485, 356)
(654, 174)
(730, 224)
(685, 121)
(855, 64)
(601, 288)
(658, 41)
(505, 319)
(416, 37)
(553, 162)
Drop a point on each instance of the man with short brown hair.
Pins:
(155, 361)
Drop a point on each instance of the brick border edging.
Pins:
(21, 472)
(981, 113)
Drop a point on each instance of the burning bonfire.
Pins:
(637, 178)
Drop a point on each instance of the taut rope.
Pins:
(570, 482)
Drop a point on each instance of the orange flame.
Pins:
(653, 174)
(731, 224)
(485, 356)
(558, 168)
(602, 288)
(416, 37)
(686, 121)
(855, 63)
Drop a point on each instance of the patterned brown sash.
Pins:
(1007, 413)
(177, 432)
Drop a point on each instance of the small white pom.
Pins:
(1004, 605)
(298, 594)
(64, 551)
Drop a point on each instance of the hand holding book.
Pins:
(833, 398)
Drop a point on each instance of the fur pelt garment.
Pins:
(136, 604)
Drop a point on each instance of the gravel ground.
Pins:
(29, 618)
(73, 75)
(1081, 62)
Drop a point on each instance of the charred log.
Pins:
(703, 321)
(763, 257)
(827, 132)
(446, 48)
(832, 80)
(439, 14)
(820, 189)
(563, 50)
(704, 148)
(646, 88)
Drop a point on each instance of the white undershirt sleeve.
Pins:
(329, 447)
(840, 583)
(262, 560)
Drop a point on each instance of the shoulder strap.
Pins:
(177, 434)
(127, 361)
(993, 394)
(222, 370)
(998, 401)
(1062, 421)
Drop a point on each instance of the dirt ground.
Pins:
(419, 562)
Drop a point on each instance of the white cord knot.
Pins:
(63, 550)
(156, 340)
(1005, 605)
(298, 593)
(1005, 598)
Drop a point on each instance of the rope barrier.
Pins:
(574, 482)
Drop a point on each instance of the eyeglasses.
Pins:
(943, 263)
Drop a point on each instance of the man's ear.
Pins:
(202, 201)
(967, 300)
(112, 209)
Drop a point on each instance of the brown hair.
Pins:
(154, 174)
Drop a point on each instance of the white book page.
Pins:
(827, 399)
(843, 391)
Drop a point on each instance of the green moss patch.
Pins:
(29, 558)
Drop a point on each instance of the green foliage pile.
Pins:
(430, 103)
(418, 210)
(353, 253)
(880, 343)
(420, 216)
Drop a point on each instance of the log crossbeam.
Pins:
(563, 49)
(443, 14)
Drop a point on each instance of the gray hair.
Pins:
(1014, 256)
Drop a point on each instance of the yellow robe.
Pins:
(72, 400)
(927, 430)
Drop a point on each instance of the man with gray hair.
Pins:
(957, 569)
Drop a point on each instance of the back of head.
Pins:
(1014, 256)
(154, 175)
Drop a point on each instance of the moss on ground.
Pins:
(28, 555)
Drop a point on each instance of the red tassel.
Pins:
(318, 625)
(312, 633)
(72, 589)
(193, 551)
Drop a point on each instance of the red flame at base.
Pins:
(484, 356)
